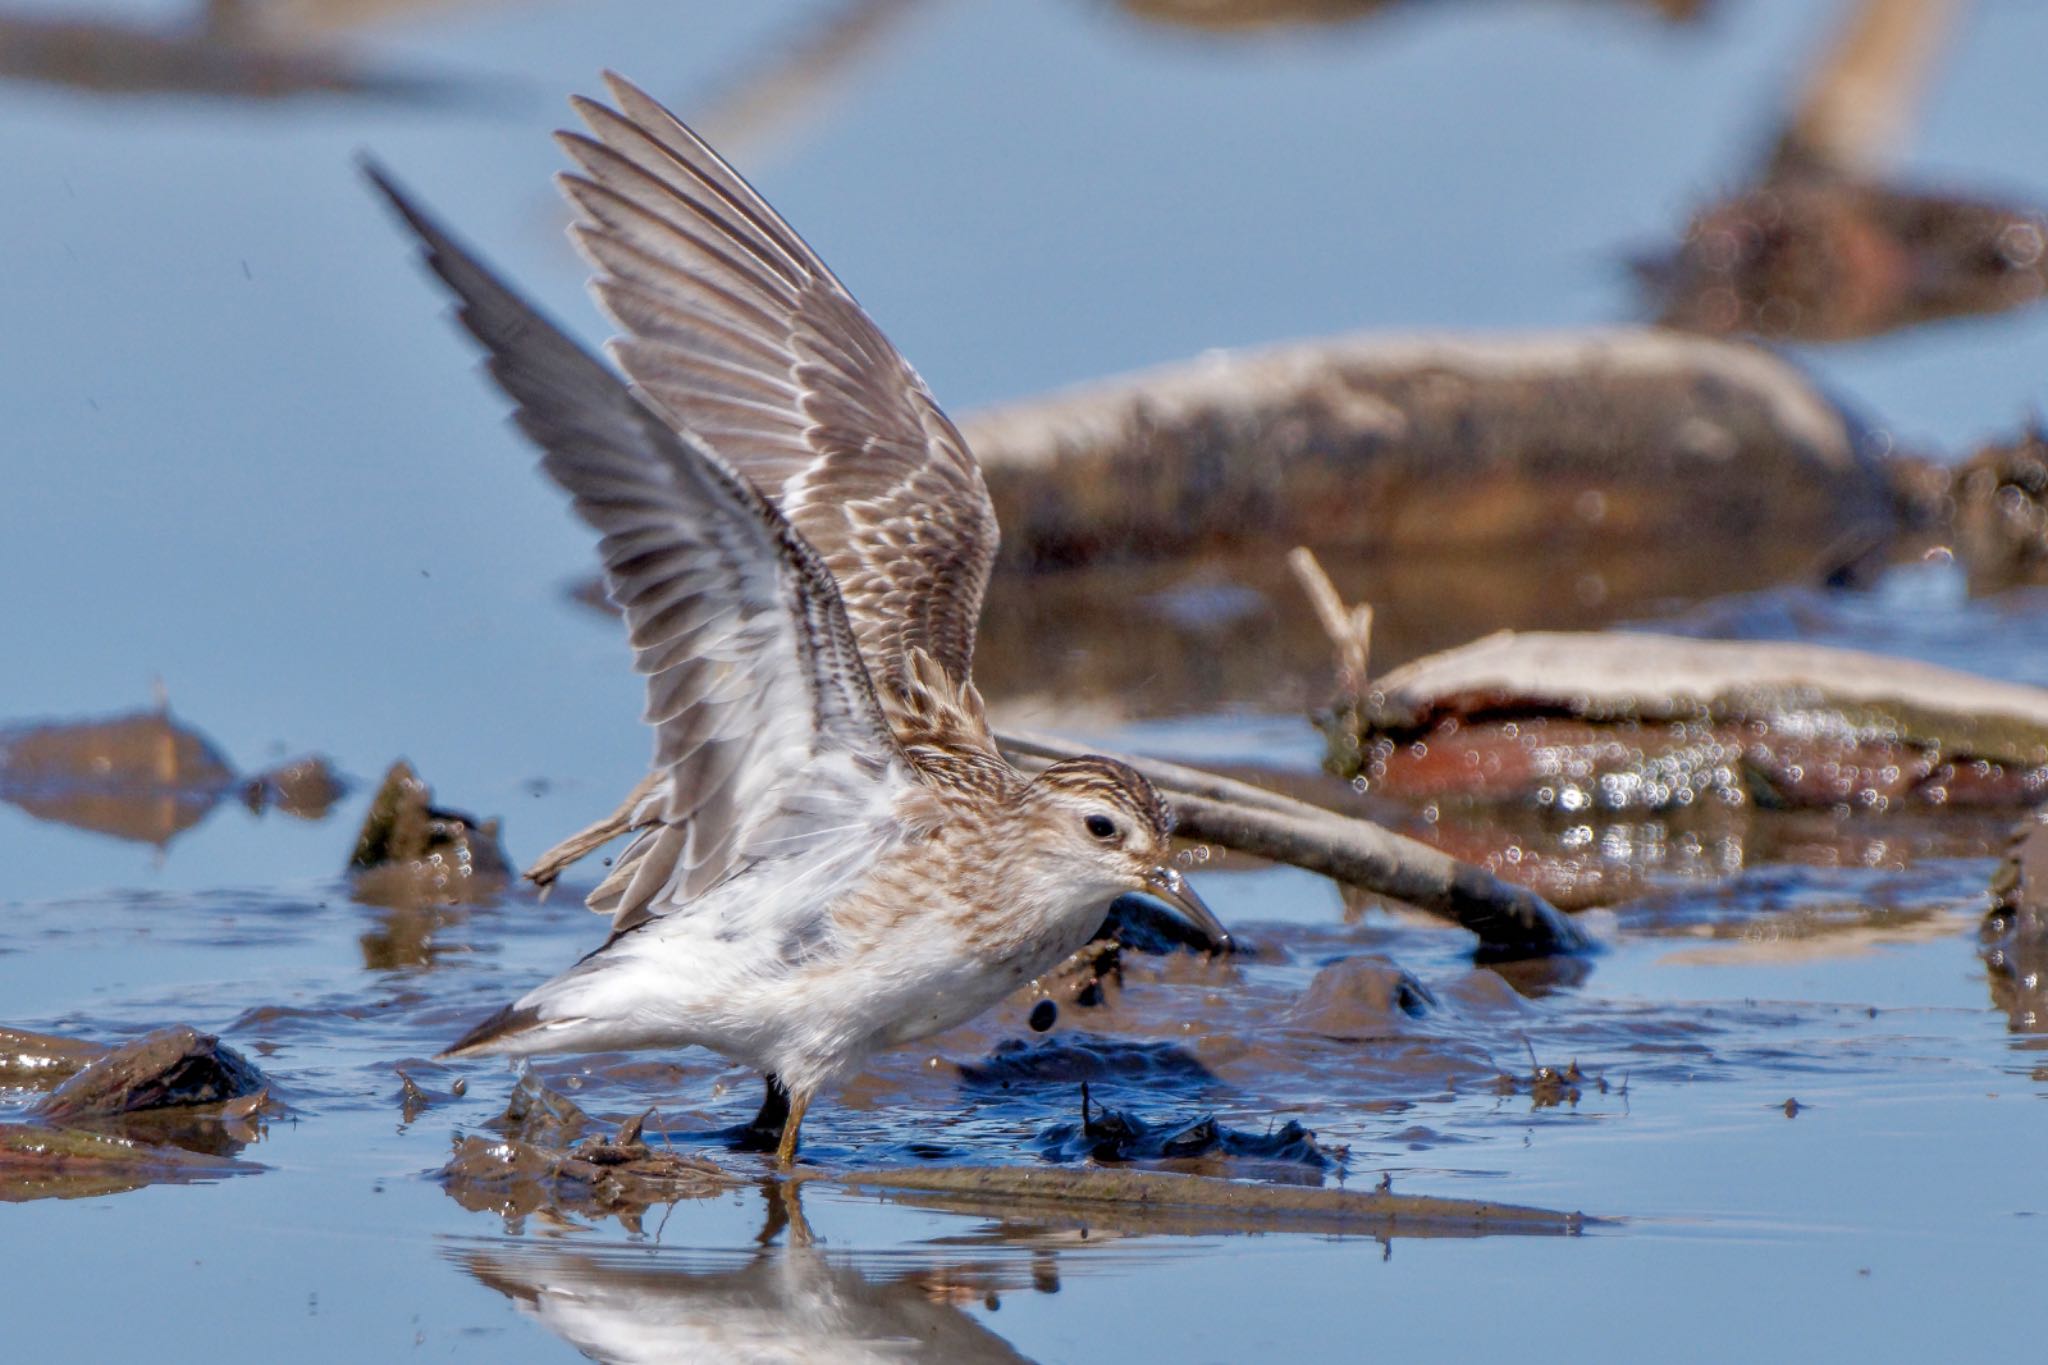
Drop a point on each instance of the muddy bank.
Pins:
(1437, 445)
(145, 776)
(1817, 256)
(1229, 16)
(2014, 935)
(1827, 244)
(214, 57)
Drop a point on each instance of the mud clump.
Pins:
(1119, 1135)
(2014, 937)
(305, 788)
(620, 1175)
(411, 853)
(176, 1104)
(1361, 997)
(1083, 1057)
(2000, 501)
(176, 1068)
(537, 1114)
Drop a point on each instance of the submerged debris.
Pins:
(411, 853)
(1189, 1202)
(1361, 997)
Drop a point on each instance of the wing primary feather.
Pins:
(753, 669)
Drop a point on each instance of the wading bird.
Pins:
(831, 856)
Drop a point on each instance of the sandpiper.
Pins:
(831, 856)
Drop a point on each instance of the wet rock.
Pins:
(1080, 1056)
(411, 853)
(1107, 1134)
(38, 1162)
(40, 1060)
(1589, 725)
(176, 1068)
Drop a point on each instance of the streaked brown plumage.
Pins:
(831, 856)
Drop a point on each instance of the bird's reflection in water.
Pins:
(789, 1300)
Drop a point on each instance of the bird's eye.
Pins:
(1102, 827)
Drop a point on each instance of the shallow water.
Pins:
(249, 459)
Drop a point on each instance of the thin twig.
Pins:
(1349, 628)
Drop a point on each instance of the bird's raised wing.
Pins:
(736, 329)
(763, 712)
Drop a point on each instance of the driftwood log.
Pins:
(1439, 446)
(1510, 921)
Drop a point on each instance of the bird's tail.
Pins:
(505, 1031)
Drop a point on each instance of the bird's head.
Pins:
(1108, 829)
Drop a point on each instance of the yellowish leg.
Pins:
(785, 1154)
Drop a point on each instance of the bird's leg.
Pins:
(785, 1154)
(760, 1133)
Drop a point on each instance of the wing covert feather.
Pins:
(740, 333)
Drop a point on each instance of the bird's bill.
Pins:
(1172, 888)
